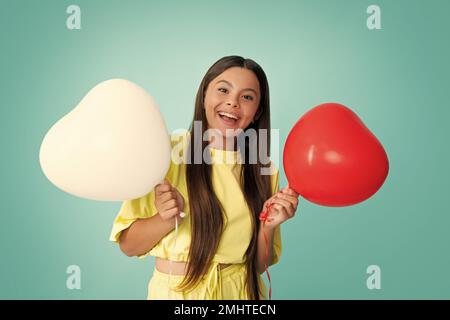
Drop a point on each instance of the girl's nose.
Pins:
(232, 104)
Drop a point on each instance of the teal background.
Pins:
(396, 79)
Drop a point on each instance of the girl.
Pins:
(219, 249)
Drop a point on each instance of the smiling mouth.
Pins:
(228, 117)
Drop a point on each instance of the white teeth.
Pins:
(229, 115)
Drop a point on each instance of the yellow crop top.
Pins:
(237, 232)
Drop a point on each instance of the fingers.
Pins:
(277, 209)
(292, 199)
(289, 191)
(269, 201)
(162, 187)
(171, 212)
(282, 202)
(166, 196)
(284, 206)
(169, 204)
(169, 208)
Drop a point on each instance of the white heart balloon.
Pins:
(113, 146)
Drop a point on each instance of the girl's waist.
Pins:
(180, 267)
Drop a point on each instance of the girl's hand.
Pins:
(284, 204)
(168, 201)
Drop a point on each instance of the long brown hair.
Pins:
(206, 211)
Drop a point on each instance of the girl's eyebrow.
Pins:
(250, 89)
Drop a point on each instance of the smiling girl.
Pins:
(218, 250)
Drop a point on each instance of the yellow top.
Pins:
(225, 177)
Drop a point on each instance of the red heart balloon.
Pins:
(332, 159)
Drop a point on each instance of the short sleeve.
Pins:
(130, 211)
(277, 232)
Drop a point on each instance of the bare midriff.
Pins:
(178, 268)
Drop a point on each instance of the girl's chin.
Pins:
(230, 132)
(226, 131)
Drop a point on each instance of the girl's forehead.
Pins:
(238, 77)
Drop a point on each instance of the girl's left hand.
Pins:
(284, 204)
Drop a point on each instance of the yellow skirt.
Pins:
(217, 284)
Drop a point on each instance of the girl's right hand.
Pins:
(168, 201)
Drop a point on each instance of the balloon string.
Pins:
(263, 217)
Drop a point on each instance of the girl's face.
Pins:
(232, 99)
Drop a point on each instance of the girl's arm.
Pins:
(283, 206)
(261, 249)
(144, 234)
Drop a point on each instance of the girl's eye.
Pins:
(247, 97)
(224, 90)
